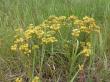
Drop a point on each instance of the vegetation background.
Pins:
(21, 13)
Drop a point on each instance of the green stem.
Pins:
(33, 64)
(72, 80)
(52, 49)
(42, 58)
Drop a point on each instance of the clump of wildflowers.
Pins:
(47, 30)
(61, 31)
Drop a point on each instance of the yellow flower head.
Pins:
(14, 47)
(75, 32)
(86, 51)
(72, 18)
(55, 27)
(25, 48)
(81, 67)
(79, 22)
(36, 79)
(50, 39)
(18, 80)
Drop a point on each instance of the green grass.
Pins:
(21, 13)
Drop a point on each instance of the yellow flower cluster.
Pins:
(44, 33)
(86, 25)
(47, 40)
(81, 67)
(14, 47)
(55, 23)
(28, 33)
(86, 49)
(25, 48)
(76, 32)
(20, 43)
(18, 80)
(72, 18)
(36, 79)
